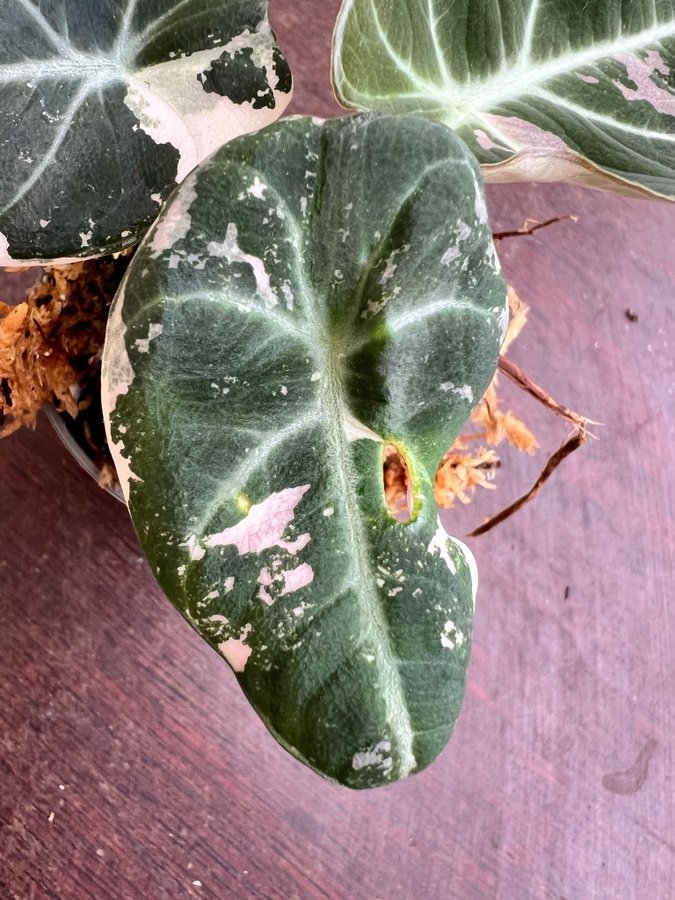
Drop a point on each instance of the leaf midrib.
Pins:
(501, 88)
(461, 103)
(335, 404)
(71, 63)
(74, 67)
(134, 41)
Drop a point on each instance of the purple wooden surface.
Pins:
(131, 766)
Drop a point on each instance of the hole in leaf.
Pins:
(397, 484)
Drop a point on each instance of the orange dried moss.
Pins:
(497, 426)
(32, 370)
(51, 344)
(463, 470)
(460, 474)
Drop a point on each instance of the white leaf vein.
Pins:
(586, 113)
(59, 41)
(50, 156)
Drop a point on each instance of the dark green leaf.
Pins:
(105, 106)
(310, 293)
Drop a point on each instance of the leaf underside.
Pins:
(541, 90)
(309, 293)
(105, 106)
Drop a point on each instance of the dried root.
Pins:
(531, 226)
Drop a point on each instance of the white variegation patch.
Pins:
(143, 344)
(451, 636)
(117, 376)
(377, 756)
(174, 224)
(257, 188)
(297, 578)
(207, 118)
(641, 73)
(471, 563)
(194, 548)
(159, 119)
(230, 250)
(465, 391)
(438, 546)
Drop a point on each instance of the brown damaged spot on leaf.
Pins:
(397, 487)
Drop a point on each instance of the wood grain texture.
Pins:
(130, 764)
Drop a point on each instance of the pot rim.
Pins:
(58, 423)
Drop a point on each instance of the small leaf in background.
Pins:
(311, 295)
(105, 107)
(571, 90)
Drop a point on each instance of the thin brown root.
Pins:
(568, 447)
(580, 423)
(530, 227)
(520, 378)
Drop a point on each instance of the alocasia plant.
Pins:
(541, 90)
(310, 294)
(106, 106)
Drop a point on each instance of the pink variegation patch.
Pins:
(297, 578)
(264, 525)
(640, 73)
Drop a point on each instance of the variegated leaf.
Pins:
(541, 90)
(309, 294)
(106, 105)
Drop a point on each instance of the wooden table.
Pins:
(132, 767)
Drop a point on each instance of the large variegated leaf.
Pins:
(106, 104)
(308, 294)
(541, 90)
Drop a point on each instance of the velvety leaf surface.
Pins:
(309, 293)
(541, 90)
(106, 105)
